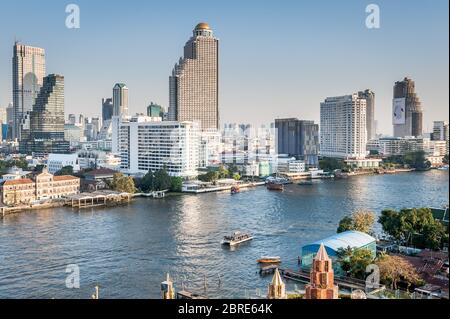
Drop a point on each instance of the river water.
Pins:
(128, 250)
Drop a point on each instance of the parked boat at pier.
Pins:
(269, 260)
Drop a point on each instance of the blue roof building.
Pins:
(353, 239)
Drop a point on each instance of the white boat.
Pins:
(443, 168)
(236, 238)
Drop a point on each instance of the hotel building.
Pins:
(407, 112)
(149, 144)
(343, 132)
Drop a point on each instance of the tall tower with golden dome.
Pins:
(194, 83)
(322, 278)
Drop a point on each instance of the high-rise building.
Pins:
(107, 109)
(28, 71)
(9, 121)
(407, 112)
(194, 84)
(155, 110)
(343, 127)
(72, 119)
(299, 139)
(45, 133)
(120, 100)
(370, 113)
(441, 132)
(149, 144)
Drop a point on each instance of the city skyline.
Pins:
(293, 80)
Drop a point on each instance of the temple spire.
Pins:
(277, 288)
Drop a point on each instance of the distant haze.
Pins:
(277, 58)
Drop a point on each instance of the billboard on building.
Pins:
(399, 111)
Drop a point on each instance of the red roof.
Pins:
(20, 181)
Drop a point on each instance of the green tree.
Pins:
(66, 170)
(223, 172)
(123, 183)
(330, 164)
(415, 226)
(146, 183)
(209, 177)
(360, 220)
(176, 184)
(236, 176)
(445, 159)
(355, 261)
(162, 180)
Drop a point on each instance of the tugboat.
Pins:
(236, 238)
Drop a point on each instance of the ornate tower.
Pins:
(167, 290)
(277, 288)
(322, 278)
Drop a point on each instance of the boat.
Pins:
(275, 186)
(269, 260)
(307, 183)
(443, 168)
(236, 238)
(235, 189)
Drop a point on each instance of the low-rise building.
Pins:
(56, 162)
(45, 186)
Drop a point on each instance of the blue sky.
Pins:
(277, 58)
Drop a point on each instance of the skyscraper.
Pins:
(28, 71)
(194, 84)
(107, 109)
(155, 110)
(343, 127)
(370, 112)
(46, 131)
(407, 112)
(120, 100)
(298, 138)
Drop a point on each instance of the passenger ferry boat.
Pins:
(236, 238)
(269, 260)
(235, 189)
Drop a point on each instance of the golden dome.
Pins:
(202, 26)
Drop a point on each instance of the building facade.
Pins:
(194, 83)
(28, 72)
(45, 186)
(369, 96)
(120, 100)
(155, 110)
(441, 133)
(107, 109)
(149, 144)
(44, 132)
(299, 139)
(407, 112)
(343, 132)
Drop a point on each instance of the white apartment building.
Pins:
(343, 127)
(145, 143)
(290, 165)
(391, 146)
(56, 162)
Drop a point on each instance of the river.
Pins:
(128, 250)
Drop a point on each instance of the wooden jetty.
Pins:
(97, 199)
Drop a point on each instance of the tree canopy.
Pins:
(360, 220)
(415, 226)
(395, 269)
(122, 183)
(66, 170)
(354, 261)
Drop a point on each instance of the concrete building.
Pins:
(56, 162)
(45, 186)
(155, 110)
(120, 100)
(398, 146)
(194, 83)
(28, 72)
(369, 96)
(343, 132)
(72, 119)
(290, 165)
(44, 133)
(299, 139)
(107, 109)
(149, 144)
(441, 133)
(407, 112)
